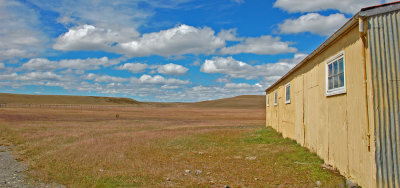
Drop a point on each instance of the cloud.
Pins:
(229, 66)
(172, 69)
(105, 78)
(20, 35)
(114, 14)
(261, 45)
(312, 23)
(160, 80)
(345, 6)
(267, 73)
(8, 77)
(42, 64)
(182, 39)
(133, 67)
(229, 35)
(40, 76)
(2, 66)
(89, 37)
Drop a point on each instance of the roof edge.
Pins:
(379, 9)
(352, 21)
(364, 12)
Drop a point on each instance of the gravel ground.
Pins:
(12, 172)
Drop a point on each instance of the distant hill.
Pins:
(63, 99)
(242, 101)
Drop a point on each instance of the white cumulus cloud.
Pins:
(172, 69)
(314, 23)
(182, 39)
(229, 35)
(42, 64)
(89, 37)
(228, 66)
(133, 67)
(345, 6)
(157, 79)
(266, 73)
(105, 78)
(40, 76)
(260, 45)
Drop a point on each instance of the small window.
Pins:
(267, 100)
(275, 98)
(287, 93)
(335, 75)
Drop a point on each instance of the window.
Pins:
(287, 93)
(275, 98)
(335, 75)
(267, 100)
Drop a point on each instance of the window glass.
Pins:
(341, 80)
(335, 76)
(287, 93)
(341, 67)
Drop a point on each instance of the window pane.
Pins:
(341, 65)
(330, 66)
(335, 82)
(335, 68)
(287, 92)
(330, 83)
(341, 80)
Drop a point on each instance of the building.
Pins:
(342, 100)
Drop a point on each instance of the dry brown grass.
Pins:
(148, 145)
(64, 99)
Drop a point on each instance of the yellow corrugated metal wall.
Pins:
(334, 127)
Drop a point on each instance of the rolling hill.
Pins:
(64, 99)
(243, 101)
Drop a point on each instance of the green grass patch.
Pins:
(264, 136)
(118, 181)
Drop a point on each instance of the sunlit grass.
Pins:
(153, 147)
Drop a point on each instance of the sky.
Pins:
(160, 50)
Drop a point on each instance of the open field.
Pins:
(243, 101)
(154, 146)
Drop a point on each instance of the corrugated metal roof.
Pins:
(368, 11)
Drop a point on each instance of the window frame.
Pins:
(338, 90)
(275, 98)
(286, 100)
(267, 100)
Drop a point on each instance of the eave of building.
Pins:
(365, 12)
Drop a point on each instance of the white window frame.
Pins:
(267, 100)
(339, 90)
(275, 98)
(287, 101)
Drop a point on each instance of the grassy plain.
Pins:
(154, 146)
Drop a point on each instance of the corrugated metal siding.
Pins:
(384, 39)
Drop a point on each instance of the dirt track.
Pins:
(12, 172)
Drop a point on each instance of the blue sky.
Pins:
(160, 50)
